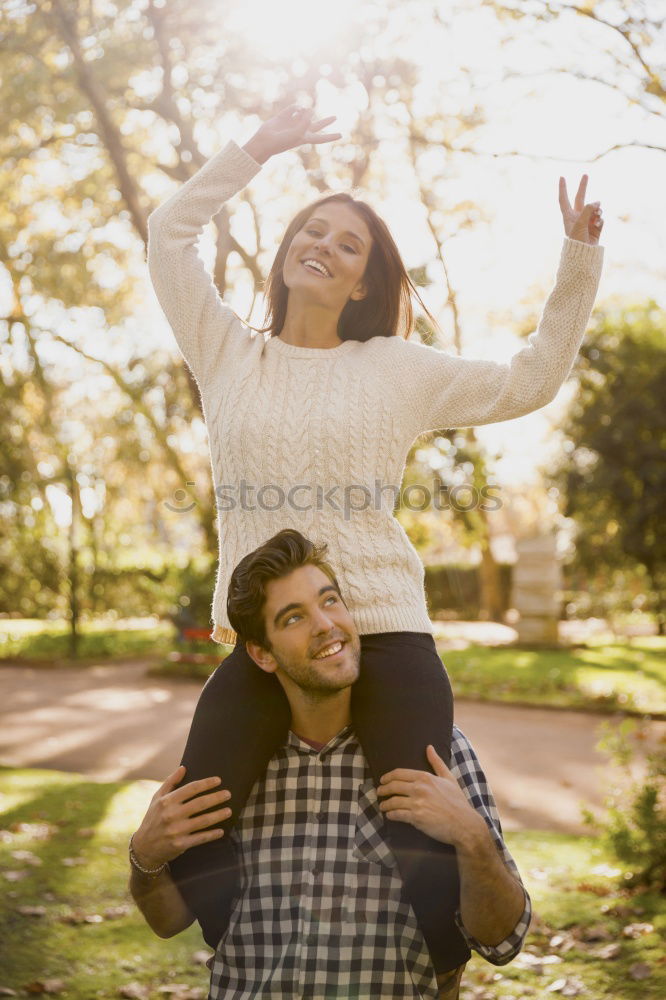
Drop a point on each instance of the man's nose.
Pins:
(322, 621)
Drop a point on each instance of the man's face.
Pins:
(314, 644)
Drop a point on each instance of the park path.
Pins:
(113, 721)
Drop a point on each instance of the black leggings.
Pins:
(401, 702)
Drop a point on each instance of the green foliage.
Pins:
(613, 476)
(634, 826)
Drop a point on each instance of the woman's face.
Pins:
(327, 258)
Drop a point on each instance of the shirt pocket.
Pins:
(370, 837)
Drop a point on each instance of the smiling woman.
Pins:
(287, 28)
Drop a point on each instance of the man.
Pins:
(320, 912)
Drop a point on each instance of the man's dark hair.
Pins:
(276, 558)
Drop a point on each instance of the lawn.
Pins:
(68, 928)
(599, 675)
(29, 638)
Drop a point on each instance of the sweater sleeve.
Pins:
(436, 390)
(200, 320)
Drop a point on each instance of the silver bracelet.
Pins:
(150, 872)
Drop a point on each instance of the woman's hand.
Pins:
(582, 222)
(291, 127)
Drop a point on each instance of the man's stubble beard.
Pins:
(305, 675)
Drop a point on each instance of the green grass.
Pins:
(606, 676)
(92, 938)
(29, 638)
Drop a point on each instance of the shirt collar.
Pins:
(339, 740)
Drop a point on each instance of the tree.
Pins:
(630, 37)
(614, 475)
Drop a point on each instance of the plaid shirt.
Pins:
(321, 912)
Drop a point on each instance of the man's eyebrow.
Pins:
(290, 607)
(347, 232)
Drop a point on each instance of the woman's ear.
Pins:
(359, 292)
(264, 660)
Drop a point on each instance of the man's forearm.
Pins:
(491, 899)
(160, 902)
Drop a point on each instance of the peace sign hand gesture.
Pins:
(582, 222)
(291, 127)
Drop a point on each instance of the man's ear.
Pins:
(262, 657)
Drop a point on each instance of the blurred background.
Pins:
(457, 120)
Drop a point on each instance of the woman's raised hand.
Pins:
(582, 222)
(291, 127)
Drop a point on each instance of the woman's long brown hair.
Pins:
(386, 310)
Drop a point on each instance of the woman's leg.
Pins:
(401, 702)
(241, 719)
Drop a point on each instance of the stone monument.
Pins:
(536, 589)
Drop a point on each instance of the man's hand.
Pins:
(173, 822)
(581, 222)
(434, 803)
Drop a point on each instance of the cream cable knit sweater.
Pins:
(316, 438)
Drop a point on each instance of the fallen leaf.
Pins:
(32, 911)
(640, 970)
(115, 912)
(80, 917)
(134, 991)
(618, 910)
(568, 987)
(608, 951)
(71, 862)
(201, 957)
(6, 991)
(50, 986)
(38, 831)
(28, 857)
(636, 930)
(599, 932)
(596, 888)
(86, 831)
(15, 876)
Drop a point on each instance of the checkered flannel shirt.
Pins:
(321, 912)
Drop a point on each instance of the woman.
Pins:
(310, 428)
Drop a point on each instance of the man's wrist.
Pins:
(141, 863)
(473, 837)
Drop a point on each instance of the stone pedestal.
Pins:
(537, 584)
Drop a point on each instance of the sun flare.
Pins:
(291, 27)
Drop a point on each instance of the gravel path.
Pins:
(112, 721)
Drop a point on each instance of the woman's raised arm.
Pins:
(437, 390)
(200, 320)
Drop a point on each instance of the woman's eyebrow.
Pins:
(347, 232)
